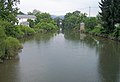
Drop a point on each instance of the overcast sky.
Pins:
(59, 7)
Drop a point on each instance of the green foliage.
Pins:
(91, 22)
(97, 30)
(44, 22)
(2, 38)
(26, 30)
(9, 46)
(73, 20)
(110, 14)
(31, 23)
(12, 47)
(46, 26)
(8, 27)
(18, 33)
(8, 10)
(2, 34)
(116, 32)
(21, 13)
(43, 17)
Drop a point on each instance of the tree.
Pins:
(73, 20)
(34, 12)
(29, 13)
(44, 22)
(21, 13)
(8, 10)
(110, 13)
(91, 22)
(43, 17)
(31, 23)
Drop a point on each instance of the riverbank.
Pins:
(13, 48)
(105, 36)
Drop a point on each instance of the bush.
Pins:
(12, 47)
(97, 30)
(18, 32)
(26, 30)
(46, 26)
(116, 32)
(8, 28)
(2, 38)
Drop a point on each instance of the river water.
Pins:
(68, 57)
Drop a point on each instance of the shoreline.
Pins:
(105, 36)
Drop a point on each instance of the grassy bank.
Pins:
(100, 31)
(10, 34)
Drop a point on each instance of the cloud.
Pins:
(57, 7)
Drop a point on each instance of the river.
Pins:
(68, 57)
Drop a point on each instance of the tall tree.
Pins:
(110, 13)
(8, 10)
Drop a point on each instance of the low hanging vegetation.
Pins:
(12, 47)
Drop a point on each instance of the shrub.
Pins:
(46, 26)
(116, 32)
(2, 38)
(12, 47)
(97, 30)
(8, 27)
(18, 32)
(26, 30)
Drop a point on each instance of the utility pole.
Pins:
(89, 11)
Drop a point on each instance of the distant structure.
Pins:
(22, 19)
(82, 27)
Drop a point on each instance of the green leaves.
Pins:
(44, 22)
(43, 17)
(46, 26)
(72, 20)
(8, 10)
(2, 38)
(110, 14)
(12, 47)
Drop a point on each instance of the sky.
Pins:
(60, 7)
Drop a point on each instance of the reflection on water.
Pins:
(68, 57)
(9, 71)
(109, 61)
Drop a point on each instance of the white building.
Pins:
(22, 19)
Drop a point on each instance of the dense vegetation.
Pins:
(44, 22)
(10, 32)
(105, 24)
(8, 10)
(9, 46)
(73, 20)
(110, 17)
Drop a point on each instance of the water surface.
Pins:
(69, 57)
